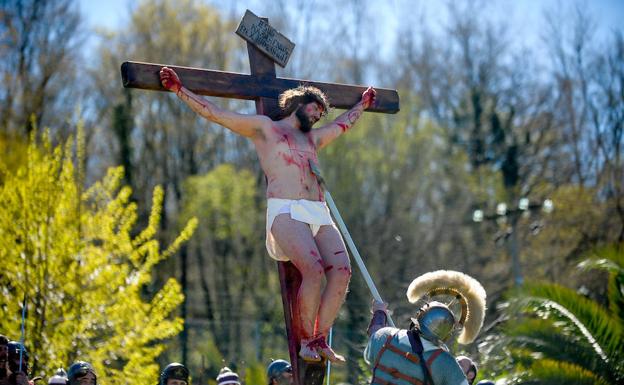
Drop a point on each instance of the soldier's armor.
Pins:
(394, 363)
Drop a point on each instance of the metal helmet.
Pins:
(174, 371)
(79, 369)
(60, 377)
(463, 304)
(14, 348)
(435, 321)
(276, 368)
(15, 352)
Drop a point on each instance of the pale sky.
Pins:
(525, 16)
(609, 13)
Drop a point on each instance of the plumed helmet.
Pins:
(174, 371)
(277, 367)
(79, 369)
(436, 322)
(465, 301)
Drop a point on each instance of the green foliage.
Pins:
(74, 256)
(554, 372)
(555, 335)
(235, 282)
(611, 259)
(226, 199)
(255, 374)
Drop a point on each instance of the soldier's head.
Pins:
(4, 356)
(81, 373)
(436, 322)
(174, 374)
(308, 103)
(17, 356)
(279, 372)
(468, 367)
(59, 377)
(451, 304)
(227, 377)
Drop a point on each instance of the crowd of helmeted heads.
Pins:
(14, 360)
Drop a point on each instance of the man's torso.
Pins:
(284, 154)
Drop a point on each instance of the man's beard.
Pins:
(305, 125)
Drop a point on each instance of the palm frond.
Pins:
(551, 372)
(580, 322)
(602, 330)
(547, 338)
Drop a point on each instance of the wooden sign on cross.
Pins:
(263, 86)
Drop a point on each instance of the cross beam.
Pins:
(263, 86)
(250, 87)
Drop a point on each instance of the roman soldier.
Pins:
(451, 305)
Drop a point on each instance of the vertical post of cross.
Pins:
(263, 68)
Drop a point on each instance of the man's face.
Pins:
(285, 378)
(466, 366)
(464, 363)
(4, 356)
(172, 381)
(308, 115)
(87, 379)
(4, 353)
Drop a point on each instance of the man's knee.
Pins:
(345, 271)
(342, 272)
(314, 269)
(343, 265)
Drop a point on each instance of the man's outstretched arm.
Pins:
(328, 133)
(245, 125)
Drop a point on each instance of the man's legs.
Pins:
(338, 273)
(295, 239)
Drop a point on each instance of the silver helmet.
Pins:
(436, 322)
(449, 301)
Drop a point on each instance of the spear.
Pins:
(345, 233)
(22, 333)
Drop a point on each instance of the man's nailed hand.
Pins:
(170, 79)
(368, 97)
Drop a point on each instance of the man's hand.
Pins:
(380, 317)
(368, 97)
(170, 79)
(380, 306)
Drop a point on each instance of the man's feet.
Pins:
(320, 345)
(308, 353)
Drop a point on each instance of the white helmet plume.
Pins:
(469, 288)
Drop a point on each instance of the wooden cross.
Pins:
(263, 86)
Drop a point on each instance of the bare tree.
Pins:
(39, 50)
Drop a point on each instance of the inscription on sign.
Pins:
(266, 38)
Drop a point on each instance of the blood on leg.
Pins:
(333, 251)
(295, 239)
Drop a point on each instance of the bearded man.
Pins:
(299, 225)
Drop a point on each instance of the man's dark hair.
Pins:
(3, 340)
(290, 99)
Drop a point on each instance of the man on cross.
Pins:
(299, 225)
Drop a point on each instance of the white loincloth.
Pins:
(314, 213)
